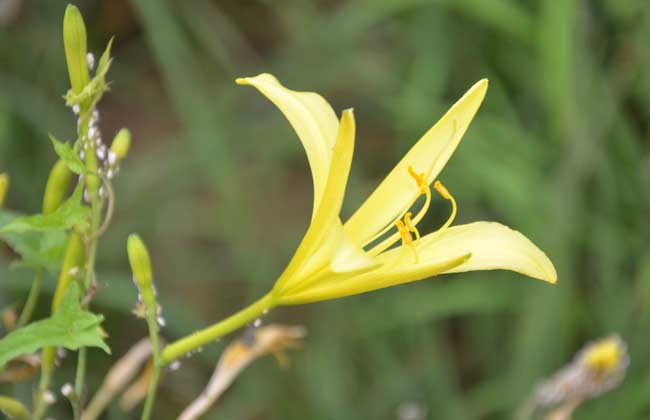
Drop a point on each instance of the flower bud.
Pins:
(73, 262)
(74, 42)
(4, 187)
(141, 268)
(13, 408)
(121, 144)
(57, 186)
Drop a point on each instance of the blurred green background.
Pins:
(218, 186)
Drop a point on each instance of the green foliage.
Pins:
(70, 327)
(36, 249)
(71, 213)
(68, 155)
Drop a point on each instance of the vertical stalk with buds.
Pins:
(143, 279)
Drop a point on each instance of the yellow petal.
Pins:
(429, 155)
(325, 240)
(379, 278)
(313, 120)
(492, 245)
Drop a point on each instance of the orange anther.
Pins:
(404, 233)
(420, 179)
(442, 190)
(410, 226)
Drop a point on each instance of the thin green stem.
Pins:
(80, 378)
(218, 330)
(152, 324)
(79, 381)
(32, 298)
(47, 367)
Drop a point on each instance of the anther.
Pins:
(404, 233)
(410, 226)
(444, 192)
(405, 228)
(420, 179)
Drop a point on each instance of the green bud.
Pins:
(13, 408)
(57, 186)
(121, 144)
(4, 188)
(74, 42)
(141, 268)
(73, 262)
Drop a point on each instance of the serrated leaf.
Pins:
(69, 214)
(68, 156)
(36, 249)
(70, 327)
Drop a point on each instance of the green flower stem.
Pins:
(79, 382)
(32, 298)
(152, 324)
(91, 253)
(193, 341)
(47, 367)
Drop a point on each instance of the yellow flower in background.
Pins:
(338, 259)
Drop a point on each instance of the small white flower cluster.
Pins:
(140, 309)
(107, 159)
(108, 162)
(598, 368)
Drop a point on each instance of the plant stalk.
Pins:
(193, 341)
(80, 379)
(152, 324)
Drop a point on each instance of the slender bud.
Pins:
(57, 186)
(74, 42)
(13, 408)
(73, 261)
(141, 268)
(4, 188)
(121, 144)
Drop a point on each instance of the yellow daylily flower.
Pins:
(338, 259)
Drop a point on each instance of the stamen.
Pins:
(410, 226)
(444, 192)
(404, 232)
(404, 229)
(422, 184)
(420, 179)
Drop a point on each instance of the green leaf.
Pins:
(70, 327)
(36, 249)
(104, 61)
(68, 156)
(69, 214)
